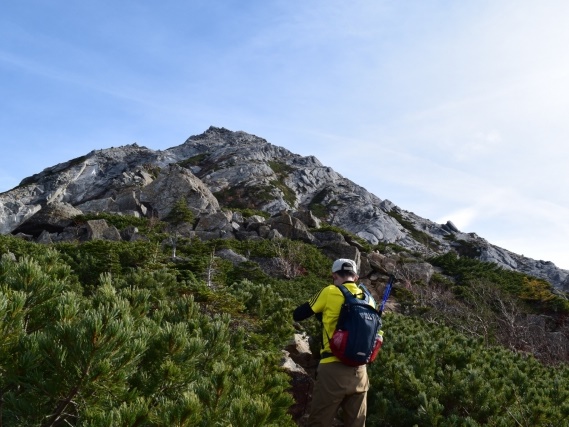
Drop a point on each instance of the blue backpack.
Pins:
(357, 340)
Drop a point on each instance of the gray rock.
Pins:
(335, 251)
(53, 217)
(128, 232)
(237, 217)
(290, 366)
(71, 234)
(265, 231)
(324, 238)
(230, 255)
(173, 184)
(290, 227)
(498, 256)
(565, 285)
(106, 204)
(364, 269)
(127, 201)
(98, 229)
(247, 235)
(382, 263)
(214, 222)
(308, 218)
(112, 233)
(274, 235)
(44, 237)
(451, 227)
(417, 271)
(254, 219)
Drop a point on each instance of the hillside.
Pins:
(155, 288)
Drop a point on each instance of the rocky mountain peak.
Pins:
(222, 169)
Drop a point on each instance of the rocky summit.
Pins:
(220, 171)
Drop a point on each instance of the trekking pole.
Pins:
(386, 292)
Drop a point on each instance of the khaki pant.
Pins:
(338, 385)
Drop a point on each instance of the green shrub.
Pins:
(430, 376)
(280, 168)
(194, 160)
(180, 213)
(537, 293)
(100, 333)
(127, 355)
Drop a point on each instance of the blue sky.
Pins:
(455, 110)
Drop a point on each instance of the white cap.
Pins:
(344, 264)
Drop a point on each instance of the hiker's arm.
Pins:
(302, 312)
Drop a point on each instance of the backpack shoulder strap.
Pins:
(352, 299)
(367, 294)
(367, 299)
(347, 294)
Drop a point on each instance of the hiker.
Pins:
(337, 385)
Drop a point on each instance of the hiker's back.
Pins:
(357, 337)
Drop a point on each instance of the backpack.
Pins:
(357, 340)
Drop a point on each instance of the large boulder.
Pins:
(98, 229)
(53, 218)
(328, 237)
(214, 222)
(308, 218)
(382, 263)
(173, 184)
(334, 246)
(105, 204)
(127, 201)
(290, 227)
(417, 271)
(231, 256)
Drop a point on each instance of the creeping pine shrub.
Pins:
(429, 375)
(272, 310)
(124, 355)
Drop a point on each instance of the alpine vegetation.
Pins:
(156, 288)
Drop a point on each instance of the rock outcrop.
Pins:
(175, 183)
